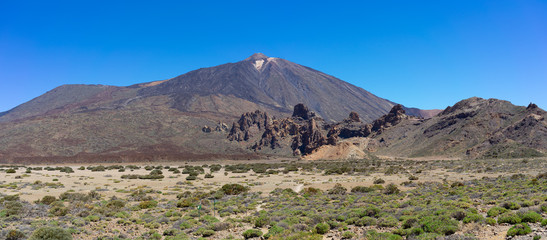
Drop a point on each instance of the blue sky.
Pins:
(426, 54)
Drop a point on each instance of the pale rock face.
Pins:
(258, 64)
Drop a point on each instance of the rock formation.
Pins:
(304, 132)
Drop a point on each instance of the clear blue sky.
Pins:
(426, 54)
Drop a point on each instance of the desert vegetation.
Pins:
(359, 199)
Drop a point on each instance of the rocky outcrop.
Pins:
(302, 111)
(242, 130)
(395, 116)
(304, 132)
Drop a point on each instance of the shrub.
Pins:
(496, 211)
(391, 189)
(412, 178)
(544, 222)
(322, 228)
(191, 178)
(15, 235)
(205, 232)
(365, 221)
(544, 207)
(348, 235)
(49, 233)
(510, 218)
(262, 221)
(519, 229)
(459, 215)
(409, 223)
(361, 189)
(11, 170)
(252, 233)
(379, 181)
(531, 217)
(147, 204)
(439, 224)
(388, 221)
(337, 189)
(234, 189)
(373, 235)
(58, 211)
(511, 205)
(310, 191)
(491, 221)
(473, 218)
(47, 200)
(208, 175)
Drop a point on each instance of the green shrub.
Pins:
(205, 232)
(391, 189)
(491, 221)
(511, 205)
(531, 217)
(322, 228)
(439, 224)
(348, 235)
(252, 233)
(49, 233)
(234, 189)
(388, 221)
(47, 200)
(15, 235)
(379, 181)
(519, 229)
(58, 211)
(510, 218)
(338, 189)
(473, 218)
(365, 221)
(262, 221)
(11, 170)
(544, 222)
(310, 191)
(544, 207)
(147, 204)
(361, 189)
(496, 211)
(373, 235)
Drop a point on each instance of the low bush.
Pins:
(519, 229)
(510, 218)
(439, 224)
(234, 189)
(338, 189)
(361, 189)
(252, 233)
(147, 204)
(496, 211)
(391, 189)
(531, 217)
(379, 181)
(49, 233)
(15, 235)
(322, 228)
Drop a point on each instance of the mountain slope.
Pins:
(164, 119)
(273, 83)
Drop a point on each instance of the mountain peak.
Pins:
(256, 56)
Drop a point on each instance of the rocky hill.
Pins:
(472, 128)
